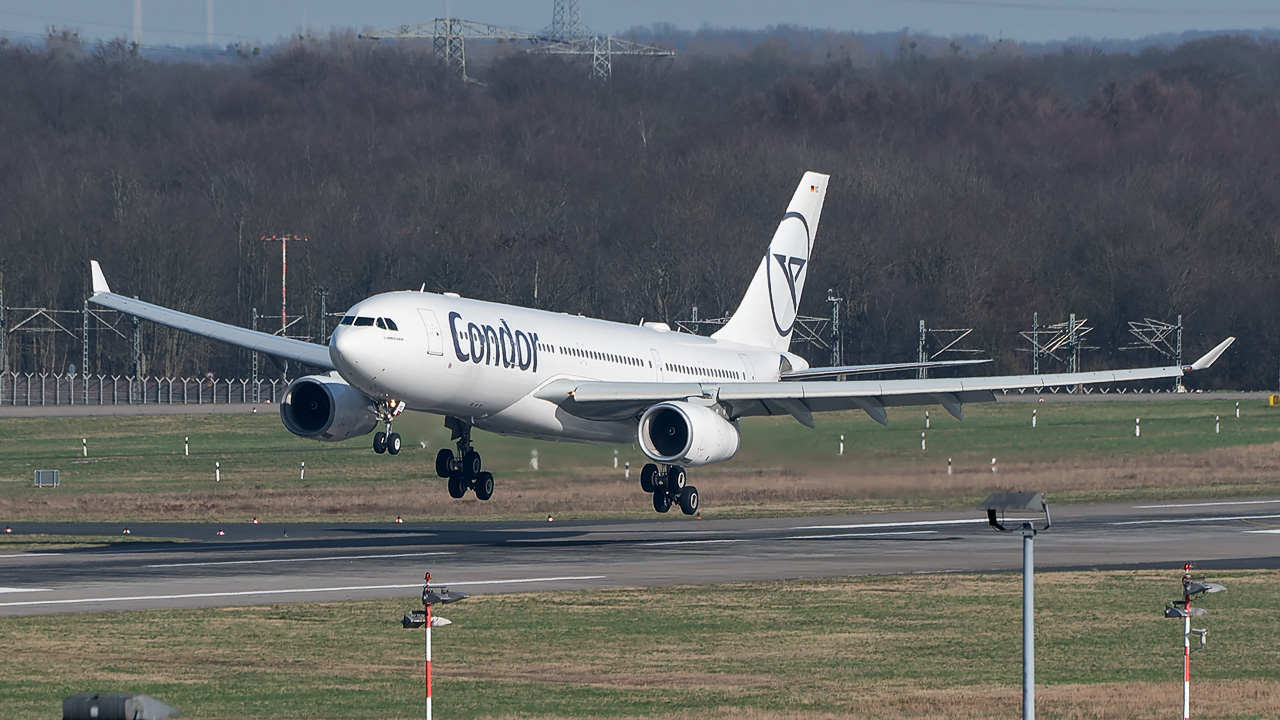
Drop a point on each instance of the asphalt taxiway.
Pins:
(270, 563)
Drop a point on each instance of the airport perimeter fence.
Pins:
(32, 389)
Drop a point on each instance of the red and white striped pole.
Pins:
(1186, 646)
(427, 605)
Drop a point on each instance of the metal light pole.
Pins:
(423, 618)
(997, 505)
(1191, 587)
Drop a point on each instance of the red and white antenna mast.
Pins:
(284, 265)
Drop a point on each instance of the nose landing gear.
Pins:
(669, 486)
(385, 440)
(463, 470)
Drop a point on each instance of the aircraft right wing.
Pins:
(620, 400)
(311, 354)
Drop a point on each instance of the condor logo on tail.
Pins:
(790, 254)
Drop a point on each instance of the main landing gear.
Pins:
(669, 486)
(463, 470)
(387, 441)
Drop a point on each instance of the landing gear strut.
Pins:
(463, 470)
(385, 440)
(669, 486)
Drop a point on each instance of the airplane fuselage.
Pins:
(484, 362)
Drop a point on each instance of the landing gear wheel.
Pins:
(689, 500)
(661, 501)
(676, 478)
(471, 465)
(457, 486)
(649, 478)
(379, 442)
(484, 486)
(393, 443)
(444, 462)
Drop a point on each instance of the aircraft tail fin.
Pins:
(767, 313)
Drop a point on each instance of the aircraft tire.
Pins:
(649, 478)
(444, 462)
(484, 486)
(379, 442)
(676, 478)
(471, 465)
(661, 502)
(393, 443)
(457, 486)
(689, 500)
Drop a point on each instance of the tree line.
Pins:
(968, 189)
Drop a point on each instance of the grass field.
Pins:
(942, 646)
(136, 469)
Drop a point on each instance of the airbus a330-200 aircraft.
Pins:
(550, 376)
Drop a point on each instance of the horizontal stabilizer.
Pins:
(836, 371)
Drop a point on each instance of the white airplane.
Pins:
(551, 376)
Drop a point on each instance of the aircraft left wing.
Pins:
(618, 400)
(311, 354)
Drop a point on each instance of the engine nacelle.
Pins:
(325, 408)
(681, 433)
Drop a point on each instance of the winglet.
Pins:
(1211, 356)
(99, 280)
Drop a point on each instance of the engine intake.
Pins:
(326, 408)
(681, 433)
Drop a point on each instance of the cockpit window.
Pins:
(382, 323)
(364, 321)
(347, 320)
(391, 325)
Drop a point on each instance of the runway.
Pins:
(263, 564)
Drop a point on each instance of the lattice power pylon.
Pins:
(1060, 341)
(566, 36)
(1162, 337)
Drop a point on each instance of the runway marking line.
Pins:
(669, 543)
(293, 560)
(1207, 504)
(4, 590)
(252, 593)
(1196, 520)
(912, 523)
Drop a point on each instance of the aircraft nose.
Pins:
(349, 352)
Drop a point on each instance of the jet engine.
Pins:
(326, 408)
(688, 435)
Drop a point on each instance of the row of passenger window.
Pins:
(607, 357)
(705, 372)
(384, 323)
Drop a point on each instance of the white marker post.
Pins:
(186, 446)
(615, 459)
(302, 472)
(948, 466)
(993, 464)
(1217, 425)
(841, 453)
(1237, 410)
(926, 419)
(921, 441)
(1137, 427)
(627, 472)
(1033, 419)
(84, 446)
(533, 459)
(217, 472)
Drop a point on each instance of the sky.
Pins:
(183, 22)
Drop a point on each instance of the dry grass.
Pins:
(1230, 471)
